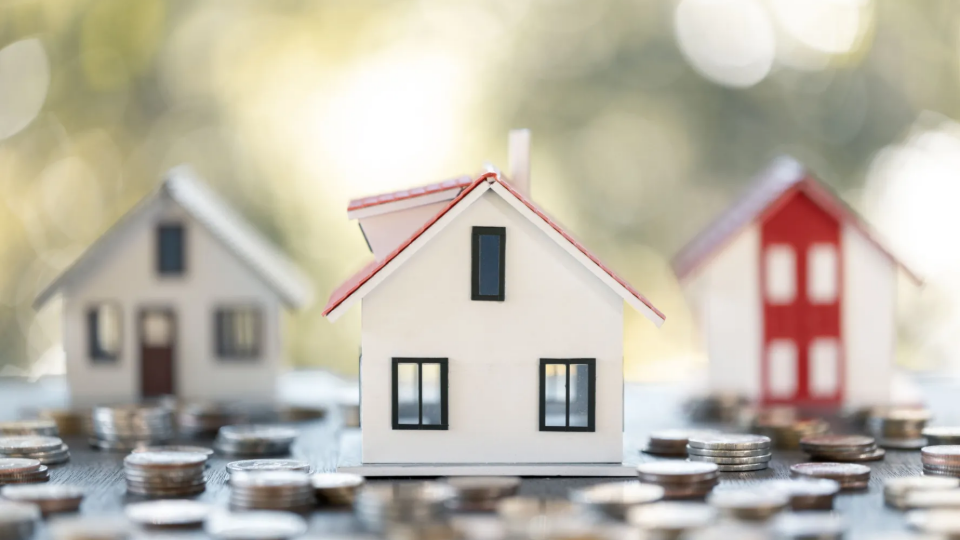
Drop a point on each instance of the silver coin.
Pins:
(727, 453)
(804, 486)
(269, 479)
(42, 492)
(158, 460)
(939, 521)
(18, 512)
(85, 528)
(168, 513)
(617, 495)
(336, 480)
(931, 498)
(814, 524)
(731, 460)
(174, 448)
(902, 444)
(749, 467)
(747, 503)
(29, 443)
(672, 471)
(671, 516)
(249, 465)
(897, 488)
(18, 465)
(834, 471)
(29, 427)
(266, 432)
(729, 442)
(257, 525)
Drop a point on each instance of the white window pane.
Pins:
(408, 394)
(781, 274)
(824, 367)
(822, 274)
(431, 394)
(579, 395)
(556, 395)
(108, 329)
(157, 329)
(782, 368)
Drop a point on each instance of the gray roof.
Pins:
(182, 187)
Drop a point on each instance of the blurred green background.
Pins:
(648, 118)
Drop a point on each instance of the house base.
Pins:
(350, 462)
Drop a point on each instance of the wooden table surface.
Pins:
(648, 408)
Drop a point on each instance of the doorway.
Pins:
(157, 348)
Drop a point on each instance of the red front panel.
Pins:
(800, 284)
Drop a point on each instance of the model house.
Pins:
(795, 296)
(492, 341)
(181, 297)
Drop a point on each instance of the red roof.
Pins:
(350, 286)
(395, 196)
(774, 186)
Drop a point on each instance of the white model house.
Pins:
(181, 297)
(492, 342)
(794, 295)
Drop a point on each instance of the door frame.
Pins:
(171, 312)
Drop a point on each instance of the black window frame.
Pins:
(226, 351)
(444, 422)
(475, 263)
(96, 353)
(162, 269)
(592, 398)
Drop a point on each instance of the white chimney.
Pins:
(518, 156)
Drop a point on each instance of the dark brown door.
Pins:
(157, 344)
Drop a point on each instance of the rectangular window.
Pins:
(782, 368)
(567, 400)
(781, 274)
(822, 274)
(824, 367)
(238, 332)
(419, 393)
(103, 333)
(170, 250)
(489, 249)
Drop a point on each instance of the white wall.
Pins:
(725, 295)
(213, 277)
(385, 232)
(554, 308)
(867, 319)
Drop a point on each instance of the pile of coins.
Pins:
(896, 490)
(941, 435)
(672, 442)
(785, 428)
(127, 427)
(749, 504)
(271, 490)
(47, 428)
(18, 520)
(941, 460)
(842, 448)
(381, 507)
(165, 474)
(731, 453)
(257, 465)
(22, 471)
(336, 489)
(46, 450)
(671, 519)
(171, 513)
(613, 499)
(69, 422)
(205, 419)
(850, 476)
(807, 493)
(899, 428)
(722, 408)
(481, 493)
(255, 440)
(50, 498)
(680, 479)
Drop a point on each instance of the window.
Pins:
(419, 393)
(103, 333)
(782, 368)
(824, 367)
(489, 248)
(567, 401)
(238, 332)
(170, 256)
(822, 274)
(781, 274)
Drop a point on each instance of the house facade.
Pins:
(490, 337)
(181, 297)
(795, 297)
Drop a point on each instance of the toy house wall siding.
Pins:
(868, 319)
(387, 231)
(127, 276)
(726, 297)
(554, 308)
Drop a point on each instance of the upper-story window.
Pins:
(489, 248)
(781, 274)
(171, 260)
(822, 274)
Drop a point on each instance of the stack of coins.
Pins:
(255, 440)
(680, 479)
(482, 493)
(205, 419)
(808, 525)
(175, 448)
(179, 514)
(380, 507)
(842, 448)
(749, 504)
(336, 489)
(896, 490)
(46, 450)
(271, 490)
(807, 493)
(722, 408)
(731, 453)
(671, 519)
(165, 474)
(255, 465)
(125, 428)
(941, 460)
(942, 522)
(22, 471)
(50, 498)
(261, 524)
(785, 427)
(613, 499)
(69, 422)
(42, 427)
(932, 498)
(899, 428)
(850, 476)
(18, 520)
(942, 435)
(672, 442)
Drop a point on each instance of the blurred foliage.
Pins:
(291, 107)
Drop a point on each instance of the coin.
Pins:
(931, 498)
(615, 498)
(874, 455)
(807, 493)
(671, 517)
(168, 513)
(729, 442)
(248, 465)
(29, 427)
(174, 448)
(380, 506)
(336, 488)
(942, 435)
(672, 442)
(849, 475)
(895, 490)
(814, 524)
(165, 460)
(18, 465)
(677, 471)
(49, 497)
(482, 492)
(728, 453)
(749, 503)
(940, 521)
(731, 460)
(256, 525)
(836, 443)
